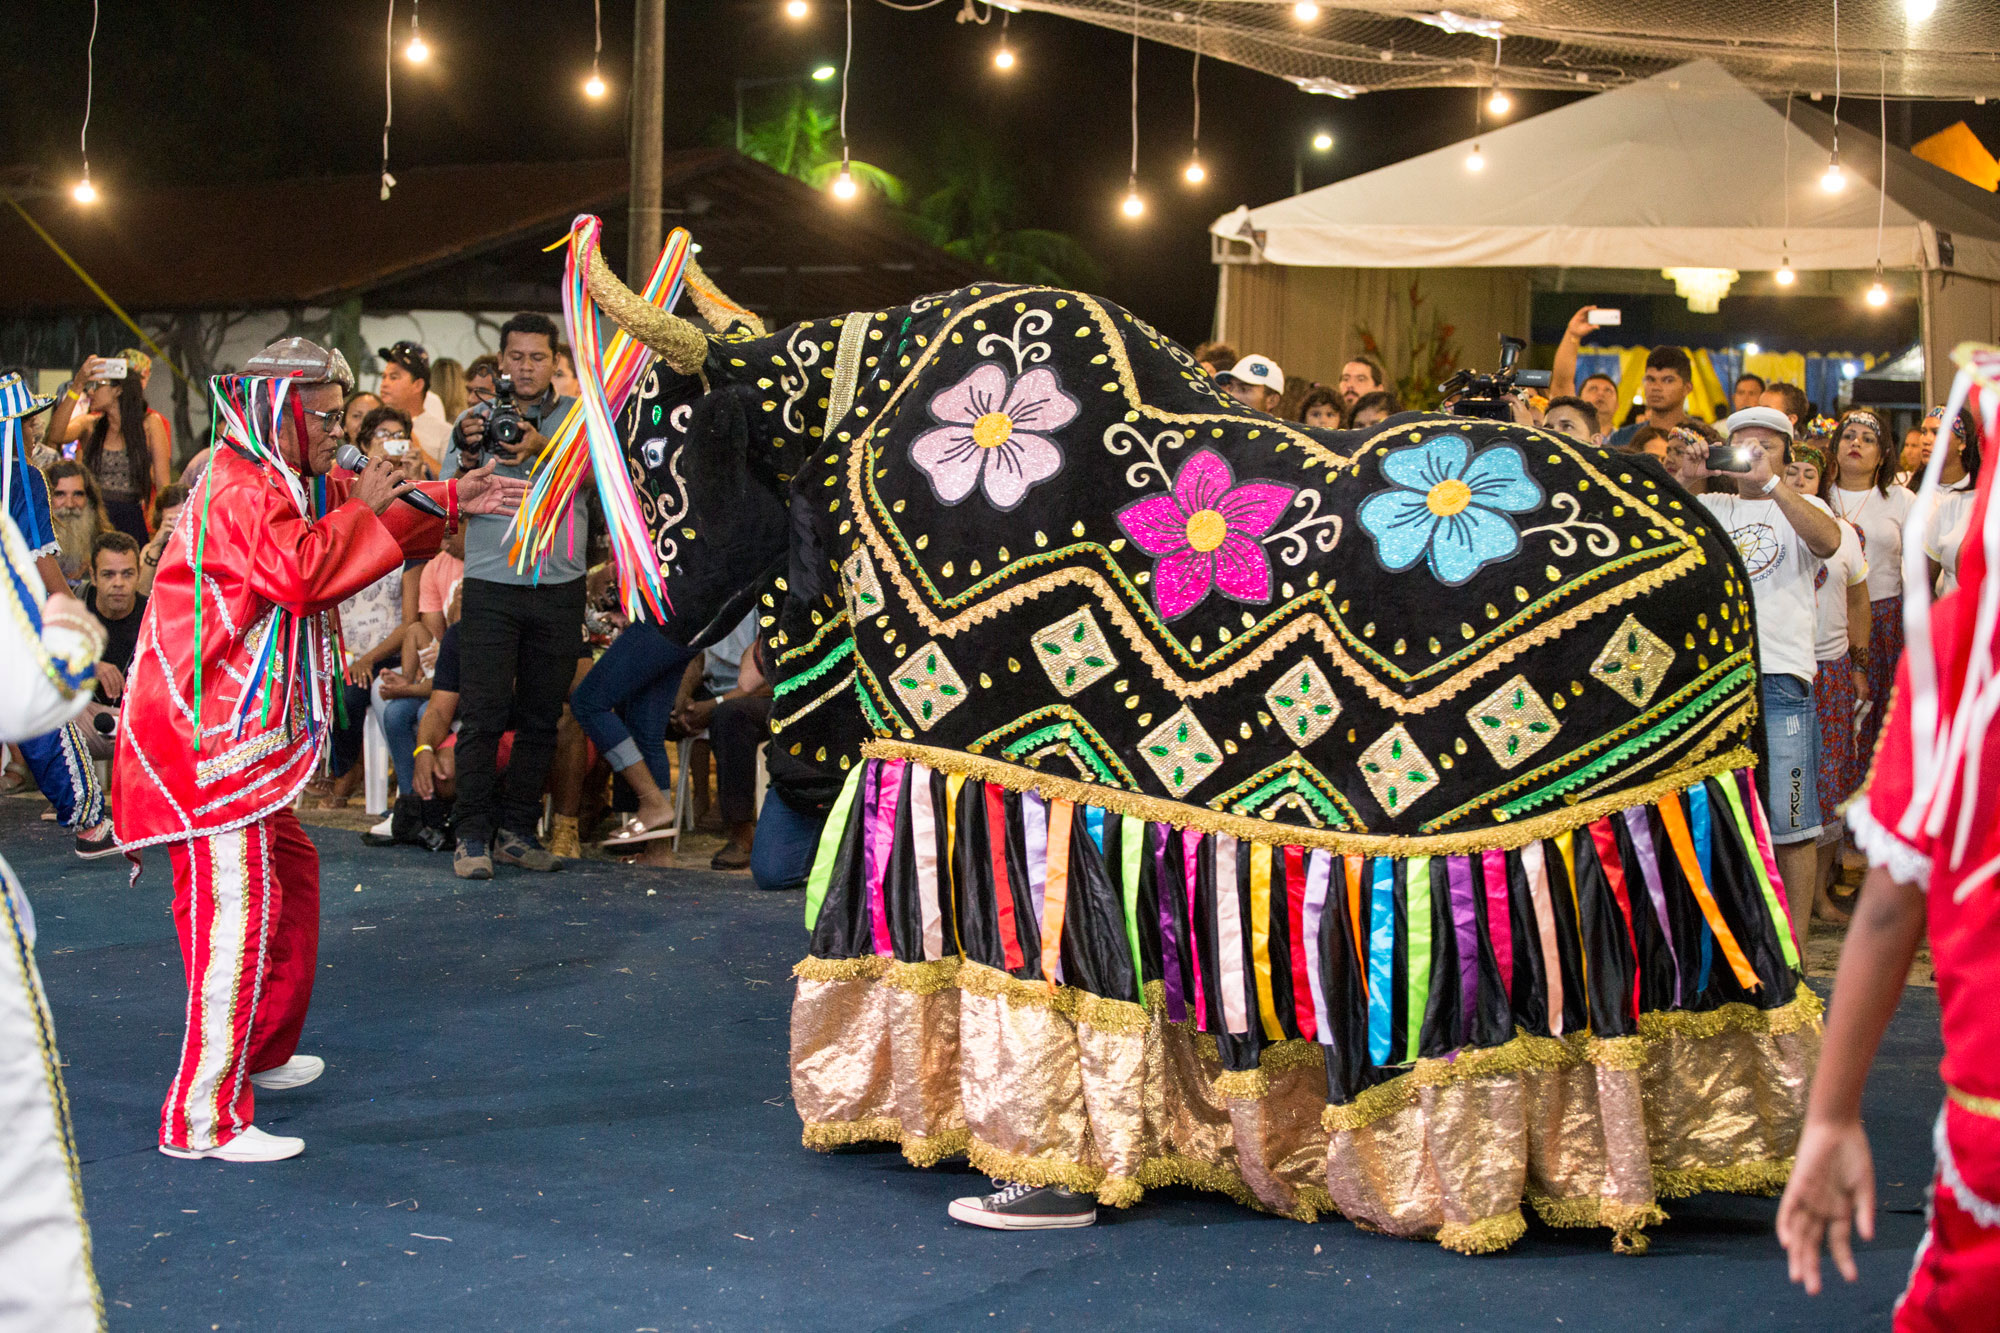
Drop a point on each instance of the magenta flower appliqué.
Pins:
(1206, 533)
(994, 431)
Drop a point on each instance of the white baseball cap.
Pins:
(1770, 418)
(1256, 370)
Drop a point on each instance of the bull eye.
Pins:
(655, 452)
(656, 414)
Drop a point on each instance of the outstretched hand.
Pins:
(1829, 1199)
(481, 492)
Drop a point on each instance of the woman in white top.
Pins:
(1860, 487)
(1840, 646)
(1958, 477)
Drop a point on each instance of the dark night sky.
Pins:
(229, 89)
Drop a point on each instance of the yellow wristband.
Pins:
(419, 750)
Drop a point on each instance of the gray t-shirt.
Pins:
(486, 539)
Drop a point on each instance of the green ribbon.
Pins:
(1131, 845)
(829, 846)
(1756, 858)
(1417, 901)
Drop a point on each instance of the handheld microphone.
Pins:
(351, 458)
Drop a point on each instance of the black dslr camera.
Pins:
(1491, 396)
(503, 424)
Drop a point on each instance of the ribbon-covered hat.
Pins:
(18, 400)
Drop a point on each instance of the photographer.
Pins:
(1784, 538)
(521, 629)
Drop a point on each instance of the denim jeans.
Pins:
(1791, 736)
(787, 837)
(399, 724)
(624, 703)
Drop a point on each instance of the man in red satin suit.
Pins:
(240, 637)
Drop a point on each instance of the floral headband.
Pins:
(1864, 417)
(1822, 425)
(1936, 417)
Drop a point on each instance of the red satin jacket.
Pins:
(259, 555)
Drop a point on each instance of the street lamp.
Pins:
(820, 74)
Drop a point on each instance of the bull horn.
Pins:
(717, 308)
(680, 344)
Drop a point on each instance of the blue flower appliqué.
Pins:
(1449, 505)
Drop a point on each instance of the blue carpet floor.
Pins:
(560, 1102)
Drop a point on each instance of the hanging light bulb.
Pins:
(1878, 291)
(417, 52)
(1004, 57)
(1835, 180)
(1475, 160)
(1133, 206)
(594, 86)
(844, 187)
(1499, 104)
(1305, 12)
(1919, 10)
(796, 10)
(1322, 142)
(1195, 172)
(85, 192)
(1786, 275)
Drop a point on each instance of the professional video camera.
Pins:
(1492, 396)
(504, 425)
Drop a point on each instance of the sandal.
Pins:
(632, 833)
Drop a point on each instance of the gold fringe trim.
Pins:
(1161, 811)
(1243, 1084)
(1528, 1052)
(1255, 1084)
(1805, 1011)
(918, 1149)
(916, 978)
(1626, 1220)
(1003, 1165)
(1741, 1178)
(1489, 1235)
(1294, 1054)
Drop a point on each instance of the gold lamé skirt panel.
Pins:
(1109, 1098)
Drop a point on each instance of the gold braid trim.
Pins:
(1489, 1235)
(1767, 1177)
(680, 344)
(716, 308)
(918, 1149)
(916, 978)
(1162, 811)
(1802, 1013)
(1528, 1052)
(1624, 1219)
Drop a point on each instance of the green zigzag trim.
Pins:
(1291, 775)
(800, 680)
(1068, 726)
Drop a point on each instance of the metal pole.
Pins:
(739, 115)
(648, 137)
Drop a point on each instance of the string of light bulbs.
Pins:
(1134, 205)
(1003, 59)
(1499, 104)
(1785, 276)
(1835, 180)
(418, 51)
(843, 184)
(1878, 291)
(85, 192)
(1196, 173)
(594, 86)
(388, 97)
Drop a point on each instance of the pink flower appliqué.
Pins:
(994, 431)
(1205, 532)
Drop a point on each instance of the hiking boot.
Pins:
(564, 842)
(1019, 1207)
(514, 850)
(471, 860)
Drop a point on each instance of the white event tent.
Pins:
(1688, 168)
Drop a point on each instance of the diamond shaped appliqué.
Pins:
(1181, 753)
(1074, 652)
(1513, 722)
(1303, 703)
(1397, 772)
(926, 685)
(1634, 662)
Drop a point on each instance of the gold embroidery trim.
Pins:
(1973, 1102)
(1162, 811)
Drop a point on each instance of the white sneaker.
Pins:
(294, 1073)
(252, 1145)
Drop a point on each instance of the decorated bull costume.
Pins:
(1357, 821)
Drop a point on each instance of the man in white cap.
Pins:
(1784, 537)
(1255, 381)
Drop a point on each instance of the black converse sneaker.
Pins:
(1019, 1207)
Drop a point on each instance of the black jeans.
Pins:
(735, 730)
(517, 647)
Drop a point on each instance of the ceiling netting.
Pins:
(1775, 46)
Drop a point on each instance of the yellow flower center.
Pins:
(1448, 497)
(1206, 529)
(991, 431)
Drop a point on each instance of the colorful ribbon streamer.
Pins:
(587, 437)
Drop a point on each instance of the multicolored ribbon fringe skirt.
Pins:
(1589, 1021)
